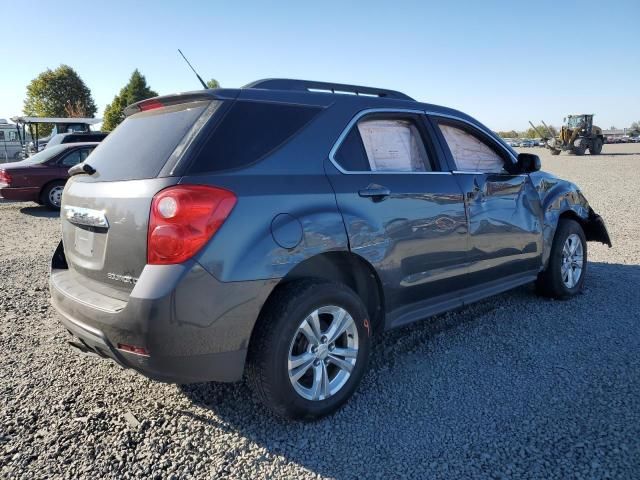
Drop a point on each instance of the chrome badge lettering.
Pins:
(86, 216)
(122, 278)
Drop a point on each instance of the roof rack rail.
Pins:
(327, 87)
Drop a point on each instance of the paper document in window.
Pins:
(392, 145)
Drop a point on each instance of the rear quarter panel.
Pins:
(286, 210)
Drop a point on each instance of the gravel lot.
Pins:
(515, 386)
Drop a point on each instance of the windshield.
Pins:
(45, 155)
(574, 122)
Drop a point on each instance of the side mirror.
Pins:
(528, 163)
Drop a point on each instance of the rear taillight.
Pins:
(5, 178)
(183, 218)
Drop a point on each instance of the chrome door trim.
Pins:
(469, 172)
(347, 129)
(86, 216)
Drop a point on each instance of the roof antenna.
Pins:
(194, 70)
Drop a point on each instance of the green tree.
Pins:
(58, 93)
(213, 83)
(508, 134)
(532, 133)
(635, 128)
(134, 91)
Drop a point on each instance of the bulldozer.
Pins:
(577, 135)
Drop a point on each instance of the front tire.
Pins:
(596, 147)
(309, 349)
(567, 268)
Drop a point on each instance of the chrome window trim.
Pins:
(353, 121)
(477, 127)
(469, 172)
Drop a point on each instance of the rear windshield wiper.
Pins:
(81, 168)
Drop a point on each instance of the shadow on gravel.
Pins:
(619, 154)
(39, 211)
(515, 383)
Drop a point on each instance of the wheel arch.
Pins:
(46, 185)
(346, 268)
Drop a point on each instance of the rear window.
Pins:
(84, 137)
(248, 132)
(141, 145)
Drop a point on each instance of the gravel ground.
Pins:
(515, 386)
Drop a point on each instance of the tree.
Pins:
(134, 91)
(213, 83)
(509, 134)
(58, 93)
(635, 128)
(533, 133)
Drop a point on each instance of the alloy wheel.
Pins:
(572, 261)
(323, 353)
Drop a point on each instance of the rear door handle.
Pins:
(375, 192)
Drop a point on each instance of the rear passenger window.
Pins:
(469, 152)
(384, 145)
(75, 157)
(249, 131)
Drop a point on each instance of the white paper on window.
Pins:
(469, 153)
(393, 146)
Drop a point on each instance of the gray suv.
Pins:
(274, 230)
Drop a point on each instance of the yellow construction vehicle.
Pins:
(577, 135)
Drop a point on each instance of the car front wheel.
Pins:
(310, 349)
(565, 273)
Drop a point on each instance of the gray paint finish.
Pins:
(436, 241)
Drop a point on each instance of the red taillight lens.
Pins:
(133, 349)
(5, 177)
(149, 105)
(184, 218)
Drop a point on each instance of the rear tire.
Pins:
(51, 195)
(293, 363)
(596, 147)
(567, 267)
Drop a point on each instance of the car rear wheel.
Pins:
(51, 196)
(565, 273)
(310, 349)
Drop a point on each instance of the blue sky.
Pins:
(502, 62)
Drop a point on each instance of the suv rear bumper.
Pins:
(194, 327)
(222, 367)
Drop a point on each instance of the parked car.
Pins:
(41, 177)
(274, 230)
(75, 137)
(527, 143)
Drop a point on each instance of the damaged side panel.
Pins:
(560, 198)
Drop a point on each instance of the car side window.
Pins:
(75, 157)
(469, 152)
(379, 144)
